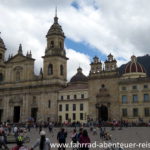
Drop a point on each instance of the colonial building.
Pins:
(73, 100)
(24, 94)
(107, 93)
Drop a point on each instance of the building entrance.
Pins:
(16, 117)
(34, 113)
(103, 113)
(1, 114)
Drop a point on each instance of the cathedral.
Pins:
(107, 93)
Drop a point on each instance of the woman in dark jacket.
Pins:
(84, 141)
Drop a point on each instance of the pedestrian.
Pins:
(2, 139)
(84, 141)
(50, 127)
(94, 131)
(80, 133)
(43, 143)
(15, 130)
(40, 127)
(61, 137)
(74, 138)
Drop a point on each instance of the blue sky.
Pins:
(85, 48)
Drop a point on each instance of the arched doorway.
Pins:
(103, 113)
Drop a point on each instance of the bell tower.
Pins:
(2, 60)
(55, 60)
(110, 63)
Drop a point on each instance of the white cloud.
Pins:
(77, 59)
(119, 27)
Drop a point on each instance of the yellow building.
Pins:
(134, 92)
(73, 100)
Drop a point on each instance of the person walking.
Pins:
(61, 137)
(80, 133)
(74, 138)
(84, 141)
(2, 139)
(43, 143)
(40, 127)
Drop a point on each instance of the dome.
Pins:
(79, 76)
(134, 69)
(55, 29)
(2, 45)
(133, 66)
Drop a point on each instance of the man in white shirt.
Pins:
(43, 142)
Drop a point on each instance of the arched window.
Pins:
(50, 69)
(61, 70)
(1, 77)
(49, 104)
(103, 86)
(1, 56)
(52, 44)
(60, 44)
(17, 75)
(34, 100)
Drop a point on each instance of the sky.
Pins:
(92, 28)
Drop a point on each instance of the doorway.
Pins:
(103, 113)
(16, 114)
(1, 114)
(34, 113)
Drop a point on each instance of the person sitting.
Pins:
(20, 146)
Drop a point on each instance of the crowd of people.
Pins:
(43, 143)
(79, 135)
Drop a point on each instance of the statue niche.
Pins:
(16, 100)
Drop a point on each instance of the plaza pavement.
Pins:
(126, 135)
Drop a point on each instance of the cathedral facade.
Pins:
(105, 94)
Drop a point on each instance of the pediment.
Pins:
(19, 58)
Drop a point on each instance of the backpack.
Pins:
(62, 136)
(75, 138)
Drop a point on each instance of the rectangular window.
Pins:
(74, 107)
(68, 96)
(124, 99)
(62, 98)
(60, 107)
(147, 112)
(67, 107)
(146, 97)
(60, 118)
(124, 112)
(75, 96)
(134, 87)
(82, 96)
(145, 86)
(49, 104)
(73, 116)
(123, 88)
(81, 116)
(135, 112)
(135, 98)
(67, 116)
(81, 107)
